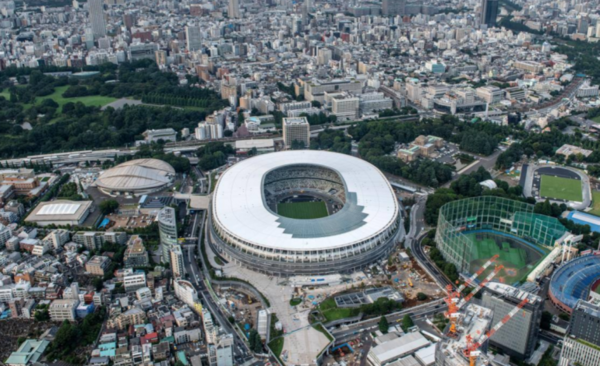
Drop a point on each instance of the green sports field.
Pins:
(561, 188)
(303, 210)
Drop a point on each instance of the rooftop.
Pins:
(239, 207)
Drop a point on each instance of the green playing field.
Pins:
(303, 210)
(561, 188)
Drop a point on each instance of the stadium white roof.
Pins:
(239, 207)
(134, 175)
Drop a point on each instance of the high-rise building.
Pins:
(581, 345)
(519, 336)
(296, 129)
(129, 20)
(193, 37)
(489, 12)
(393, 7)
(177, 261)
(97, 18)
(233, 11)
(167, 228)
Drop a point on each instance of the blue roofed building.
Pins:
(582, 218)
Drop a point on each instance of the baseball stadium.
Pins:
(574, 280)
(472, 230)
(303, 213)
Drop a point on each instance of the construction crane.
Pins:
(480, 286)
(471, 351)
(472, 279)
(454, 296)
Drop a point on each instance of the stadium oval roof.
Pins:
(137, 175)
(572, 280)
(239, 208)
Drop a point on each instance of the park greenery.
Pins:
(378, 140)
(332, 140)
(72, 120)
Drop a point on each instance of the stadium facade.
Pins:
(470, 230)
(573, 281)
(361, 227)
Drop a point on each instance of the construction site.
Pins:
(471, 326)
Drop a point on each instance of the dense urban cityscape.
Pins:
(303, 182)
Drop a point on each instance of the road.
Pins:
(413, 242)
(351, 331)
(241, 352)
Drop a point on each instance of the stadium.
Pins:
(558, 184)
(472, 230)
(136, 177)
(573, 281)
(303, 213)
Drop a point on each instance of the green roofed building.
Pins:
(29, 352)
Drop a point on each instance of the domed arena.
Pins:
(136, 177)
(303, 213)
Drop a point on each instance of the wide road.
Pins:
(196, 277)
(413, 242)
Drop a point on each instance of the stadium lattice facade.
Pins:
(459, 222)
(361, 228)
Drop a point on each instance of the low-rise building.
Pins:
(97, 265)
(133, 281)
(136, 254)
(28, 353)
(65, 309)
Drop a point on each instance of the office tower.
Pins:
(193, 37)
(393, 7)
(296, 129)
(161, 57)
(324, 56)
(177, 261)
(489, 12)
(233, 11)
(519, 336)
(581, 345)
(128, 20)
(167, 228)
(97, 18)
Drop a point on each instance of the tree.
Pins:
(383, 324)
(407, 323)
(98, 283)
(255, 341)
(42, 315)
(108, 206)
(546, 320)
(421, 296)
(298, 145)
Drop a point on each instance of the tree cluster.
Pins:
(255, 342)
(332, 140)
(213, 155)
